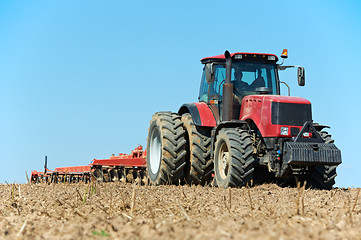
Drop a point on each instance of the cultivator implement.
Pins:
(122, 168)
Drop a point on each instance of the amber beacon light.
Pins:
(284, 53)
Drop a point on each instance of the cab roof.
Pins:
(245, 56)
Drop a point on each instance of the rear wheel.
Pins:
(323, 177)
(233, 158)
(199, 164)
(166, 149)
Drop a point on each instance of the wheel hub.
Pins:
(223, 164)
(155, 151)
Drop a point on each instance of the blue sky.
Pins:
(81, 79)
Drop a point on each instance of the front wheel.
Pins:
(233, 158)
(166, 149)
(323, 177)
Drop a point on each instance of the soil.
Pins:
(126, 211)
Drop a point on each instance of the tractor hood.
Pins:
(270, 112)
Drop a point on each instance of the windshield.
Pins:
(249, 76)
(246, 77)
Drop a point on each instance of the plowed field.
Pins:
(118, 211)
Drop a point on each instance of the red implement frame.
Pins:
(135, 160)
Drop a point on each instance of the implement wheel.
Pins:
(233, 158)
(199, 165)
(323, 177)
(166, 149)
(98, 174)
(113, 175)
(122, 175)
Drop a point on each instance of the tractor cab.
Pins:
(251, 74)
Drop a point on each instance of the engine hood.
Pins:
(270, 112)
(276, 98)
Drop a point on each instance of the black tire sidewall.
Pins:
(322, 177)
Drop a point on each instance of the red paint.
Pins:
(206, 115)
(121, 161)
(258, 109)
(136, 159)
(232, 54)
(75, 169)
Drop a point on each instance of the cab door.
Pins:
(211, 89)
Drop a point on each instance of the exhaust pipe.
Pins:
(227, 106)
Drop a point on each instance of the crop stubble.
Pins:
(118, 211)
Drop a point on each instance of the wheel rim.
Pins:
(155, 151)
(223, 161)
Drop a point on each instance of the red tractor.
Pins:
(242, 131)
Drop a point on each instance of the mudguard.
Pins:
(201, 114)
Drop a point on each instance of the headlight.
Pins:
(238, 56)
(271, 58)
(284, 131)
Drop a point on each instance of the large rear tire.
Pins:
(233, 158)
(323, 177)
(199, 165)
(166, 149)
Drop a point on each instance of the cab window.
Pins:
(203, 90)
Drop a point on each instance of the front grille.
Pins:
(292, 114)
(294, 131)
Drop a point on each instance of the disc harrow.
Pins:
(125, 168)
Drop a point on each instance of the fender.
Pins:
(201, 114)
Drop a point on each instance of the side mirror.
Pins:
(209, 72)
(301, 76)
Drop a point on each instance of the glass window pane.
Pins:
(203, 91)
(245, 76)
(216, 88)
(248, 76)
